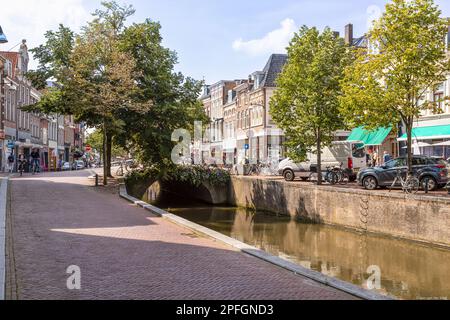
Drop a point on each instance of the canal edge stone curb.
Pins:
(258, 253)
(3, 199)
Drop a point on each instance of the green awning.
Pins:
(429, 133)
(370, 138)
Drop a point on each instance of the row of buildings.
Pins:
(57, 137)
(241, 127)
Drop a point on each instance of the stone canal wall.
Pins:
(418, 218)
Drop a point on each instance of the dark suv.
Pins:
(423, 167)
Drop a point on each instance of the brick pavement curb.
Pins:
(258, 253)
(3, 199)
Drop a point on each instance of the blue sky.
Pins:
(214, 39)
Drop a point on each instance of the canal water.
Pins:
(408, 270)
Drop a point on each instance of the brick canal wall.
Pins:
(418, 218)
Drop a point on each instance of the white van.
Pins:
(351, 155)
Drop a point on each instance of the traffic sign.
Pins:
(246, 146)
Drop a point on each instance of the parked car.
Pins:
(423, 167)
(78, 165)
(66, 166)
(351, 155)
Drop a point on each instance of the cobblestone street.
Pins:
(57, 220)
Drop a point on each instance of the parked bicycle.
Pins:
(125, 166)
(122, 166)
(331, 176)
(255, 170)
(343, 176)
(410, 185)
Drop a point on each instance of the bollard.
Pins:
(427, 180)
(96, 180)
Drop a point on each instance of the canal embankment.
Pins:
(297, 269)
(413, 217)
(417, 218)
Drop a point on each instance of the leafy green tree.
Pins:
(53, 57)
(96, 78)
(102, 76)
(174, 97)
(120, 80)
(406, 59)
(95, 140)
(305, 104)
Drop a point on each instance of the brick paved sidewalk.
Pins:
(58, 220)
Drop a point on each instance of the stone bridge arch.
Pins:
(149, 190)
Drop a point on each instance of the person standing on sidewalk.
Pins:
(35, 159)
(11, 160)
(374, 159)
(386, 157)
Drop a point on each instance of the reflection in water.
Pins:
(408, 270)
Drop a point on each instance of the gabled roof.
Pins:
(13, 57)
(360, 42)
(272, 69)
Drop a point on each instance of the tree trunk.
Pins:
(105, 157)
(409, 152)
(319, 158)
(108, 154)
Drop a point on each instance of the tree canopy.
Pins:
(119, 79)
(305, 104)
(406, 58)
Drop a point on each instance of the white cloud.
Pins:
(30, 19)
(275, 41)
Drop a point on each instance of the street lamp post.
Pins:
(2, 36)
(2, 84)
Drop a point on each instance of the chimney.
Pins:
(349, 34)
(448, 34)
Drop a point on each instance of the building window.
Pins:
(438, 99)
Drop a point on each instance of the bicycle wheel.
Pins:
(412, 185)
(332, 178)
(344, 178)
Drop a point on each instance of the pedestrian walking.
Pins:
(11, 160)
(35, 161)
(22, 162)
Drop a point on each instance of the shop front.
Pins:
(376, 143)
(230, 151)
(432, 141)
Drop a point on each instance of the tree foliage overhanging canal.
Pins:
(139, 180)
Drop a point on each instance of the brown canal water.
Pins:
(408, 270)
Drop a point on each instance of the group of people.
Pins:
(373, 159)
(22, 162)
